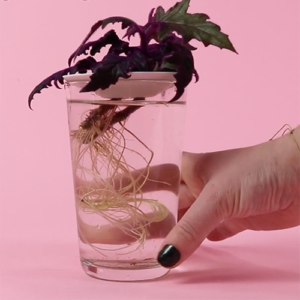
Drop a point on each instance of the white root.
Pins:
(108, 186)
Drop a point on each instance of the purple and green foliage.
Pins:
(164, 46)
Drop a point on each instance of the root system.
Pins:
(99, 149)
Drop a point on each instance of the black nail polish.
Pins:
(168, 256)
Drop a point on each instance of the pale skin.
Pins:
(224, 193)
(227, 192)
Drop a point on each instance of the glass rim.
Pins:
(151, 76)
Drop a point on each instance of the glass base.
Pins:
(124, 270)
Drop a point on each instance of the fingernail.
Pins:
(168, 256)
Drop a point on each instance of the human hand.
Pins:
(224, 193)
(221, 194)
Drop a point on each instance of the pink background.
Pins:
(241, 100)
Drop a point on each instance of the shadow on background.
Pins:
(234, 264)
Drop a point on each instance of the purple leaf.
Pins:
(183, 59)
(110, 38)
(81, 66)
(102, 24)
(113, 67)
(151, 17)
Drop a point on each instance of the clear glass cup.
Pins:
(126, 174)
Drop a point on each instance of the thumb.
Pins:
(204, 215)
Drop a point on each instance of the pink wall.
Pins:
(240, 99)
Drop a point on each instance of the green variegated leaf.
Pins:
(189, 26)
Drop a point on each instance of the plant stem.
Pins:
(96, 114)
(144, 42)
(122, 115)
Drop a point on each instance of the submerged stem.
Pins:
(97, 116)
(123, 114)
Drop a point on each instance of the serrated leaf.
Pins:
(113, 67)
(102, 24)
(179, 59)
(151, 17)
(160, 12)
(190, 26)
(132, 30)
(81, 66)
(110, 38)
(173, 12)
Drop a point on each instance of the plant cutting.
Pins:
(114, 172)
